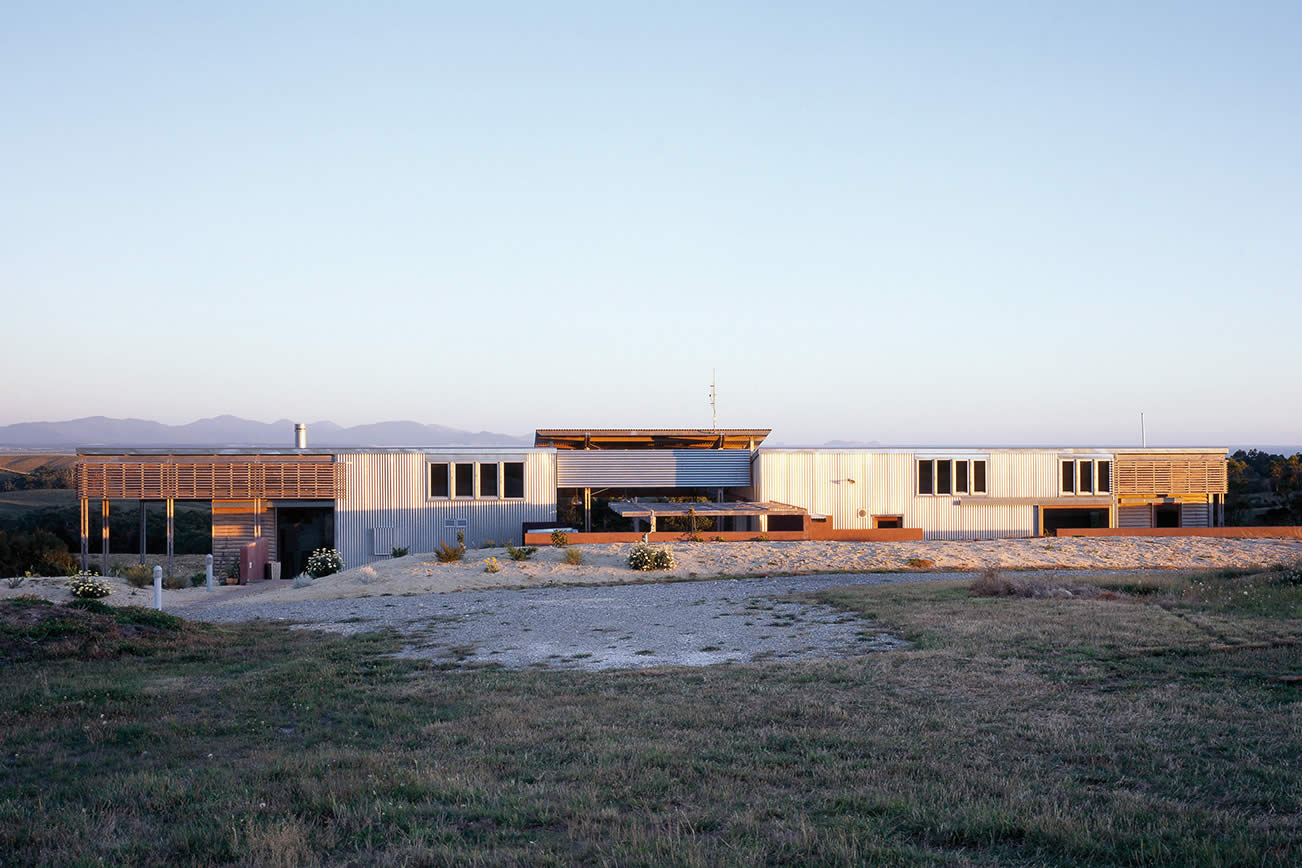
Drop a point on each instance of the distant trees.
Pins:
(1264, 488)
(44, 476)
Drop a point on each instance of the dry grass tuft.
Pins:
(993, 583)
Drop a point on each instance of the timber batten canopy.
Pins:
(650, 438)
(157, 475)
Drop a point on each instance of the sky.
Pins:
(922, 223)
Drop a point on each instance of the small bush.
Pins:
(492, 566)
(302, 580)
(992, 583)
(367, 574)
(175, 583)
(138, 575)
(89, 605)
(143, 617)
(198, 580)
(324, 562)
(762, 538)
(88, 586)
(695, 537)
(521, 554)
(400, 551)
(574, 557)
(16, 582)
(920, 563)
(644, 557)
(448, 554)
(718, 539)
(560, 539)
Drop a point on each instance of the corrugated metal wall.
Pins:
(884, 483)
(652, 468)
(1195, 515)
(389, 491)
(1135, 516)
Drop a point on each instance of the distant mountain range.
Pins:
(234, 431)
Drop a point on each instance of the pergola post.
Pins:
(764, 523)
(171, 533)
(143, 529)
(104, 533)
(587, 511)
(85, 534)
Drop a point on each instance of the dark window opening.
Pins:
(438, 480)
(786, 522)
(924, 478)
(1087, 477)
(513, 479)
(942, 478)
(488, 480)
(1069, 476)
(978, 477)
(1056, 518)
(960, 477)
(465, 480)
(1166, 515)
(1104, 472)
(888, 521)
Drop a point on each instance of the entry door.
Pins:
(1166, 515)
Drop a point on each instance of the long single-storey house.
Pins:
(368, 501)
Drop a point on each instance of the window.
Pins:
(488, 480)
(438, 480)
(925, 485)
(1086, 476)
(465, 480)
(513, 479)
(951, 476)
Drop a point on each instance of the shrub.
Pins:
(448, 554)
(400, 551)
(521, 554)
(644, 557)
(762, 538)
(992, 583)
(88, 605)
(560, 538)
(573, 557)
(492, 566)
(367, 574)
(175, 583)
(198, 580)
(138, 575)
(89, 586)
(695, 537)
(302, 580)
(324, 562)
(920, 563)
(16, 582)
(718, 539)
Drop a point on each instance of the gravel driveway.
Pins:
(617, 627)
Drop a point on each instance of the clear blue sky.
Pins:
(906, 223)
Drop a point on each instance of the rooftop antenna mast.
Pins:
(714, 397)
(1143, 434)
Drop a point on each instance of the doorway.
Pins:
(1166, 515)
(301, 530)
(888, 521)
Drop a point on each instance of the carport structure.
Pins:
(750, 509)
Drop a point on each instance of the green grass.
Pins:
(1015, 731)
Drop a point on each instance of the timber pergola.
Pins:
(169, 475)
(651, 510)
(650, 438)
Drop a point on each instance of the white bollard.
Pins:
(208, 566)
(158, 588)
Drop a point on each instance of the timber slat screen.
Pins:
(198, 479)
(1169, 475)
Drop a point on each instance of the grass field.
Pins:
(1158, 728)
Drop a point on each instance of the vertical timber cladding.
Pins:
(387, 495)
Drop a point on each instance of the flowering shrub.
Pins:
(88, 586)
(560, 538)
(324, 562)
(492, 566)
(644, 557)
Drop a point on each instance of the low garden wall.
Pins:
(1286, 532)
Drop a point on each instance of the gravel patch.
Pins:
(699, 623)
